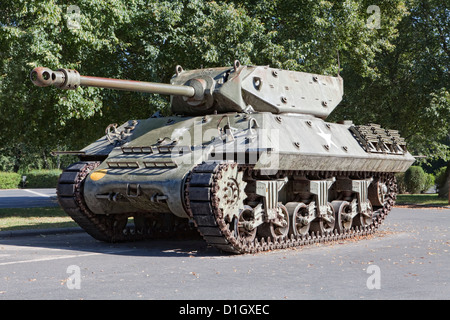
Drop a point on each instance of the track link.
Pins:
(201, 197)
(114, 228)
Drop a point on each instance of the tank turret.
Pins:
(226, 89)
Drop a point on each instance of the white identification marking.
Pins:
(327, 137)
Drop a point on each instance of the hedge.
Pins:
(42, 178)
(9, 180)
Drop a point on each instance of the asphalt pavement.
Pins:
(408, 258)
(28, 198)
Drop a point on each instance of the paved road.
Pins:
(27, 198)
(407, 259)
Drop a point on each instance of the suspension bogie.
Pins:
(292, 208)
(320, 203)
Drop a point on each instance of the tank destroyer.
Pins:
(247, 158)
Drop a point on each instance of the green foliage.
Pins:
(309, 34)
(415, 179)
(35, 179)
(9, 180)
(42, 178)
(411, 90)
(441, 176)
(24, 157)
(389, 79)
(401, 185)
(6, 163)
(142, 40)
(429, 181)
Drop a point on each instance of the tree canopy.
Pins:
(394, 59)
(411, 89)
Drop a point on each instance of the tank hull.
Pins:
(147, 173)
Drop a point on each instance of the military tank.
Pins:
(247, 159)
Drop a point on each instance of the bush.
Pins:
(9, 180)
(415, 179)
(429, 182)
(42, 178)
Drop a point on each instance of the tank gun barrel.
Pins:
(70, 79)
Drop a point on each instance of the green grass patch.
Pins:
(421, 199)
(34, 218)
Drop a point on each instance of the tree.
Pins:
(411, 91)
(142, 40)
(389, 79)
(309, 34)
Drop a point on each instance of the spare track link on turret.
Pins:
(216, 230)
(112, 228)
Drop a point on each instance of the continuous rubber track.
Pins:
(202, 203)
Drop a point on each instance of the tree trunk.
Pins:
(443, 192)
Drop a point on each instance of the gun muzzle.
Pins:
(62, 78)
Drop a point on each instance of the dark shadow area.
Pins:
(27, 202)
(81, 241)
(75, 239)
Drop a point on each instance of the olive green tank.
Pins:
(247, 160)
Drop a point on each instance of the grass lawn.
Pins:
(421, 199)
(34, 218)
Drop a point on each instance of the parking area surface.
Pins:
(408, 258)
(28, 198)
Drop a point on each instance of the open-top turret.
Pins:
(246, 157)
